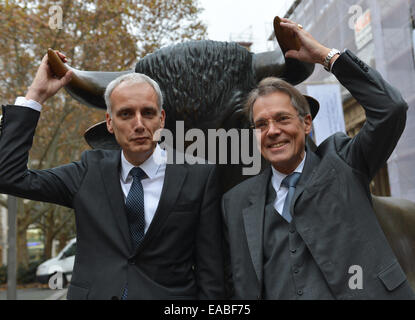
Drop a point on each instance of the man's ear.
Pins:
(308, 122)
(162, 118)
(109, 123)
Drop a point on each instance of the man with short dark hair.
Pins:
(146, 229)
(305, 227)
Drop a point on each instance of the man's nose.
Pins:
(273, 128)
(138, 122)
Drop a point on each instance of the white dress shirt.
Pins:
(154, 167)
(282, 191)
(23, 102)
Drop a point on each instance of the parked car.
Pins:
(63, 263)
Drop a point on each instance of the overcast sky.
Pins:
(243, 20)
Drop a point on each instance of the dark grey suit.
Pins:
(332, 210)
(180, 256)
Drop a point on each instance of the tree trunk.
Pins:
(22, 225)
(63, 240)
(47, 251)
(49, 235)
(22, 252)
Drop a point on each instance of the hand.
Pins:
(311, 50)
(45, 83)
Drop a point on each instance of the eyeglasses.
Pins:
(280, 121)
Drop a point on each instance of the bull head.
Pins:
(88, 87)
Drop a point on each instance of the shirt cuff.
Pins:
(23, 102)
(331, 66)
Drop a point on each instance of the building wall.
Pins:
(390, 51)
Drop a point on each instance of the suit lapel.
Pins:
(110, 171)
(253, 217)
(173, 181)
(310, 166)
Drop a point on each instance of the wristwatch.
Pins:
(327, 60)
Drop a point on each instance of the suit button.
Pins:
(300, 292)
(292, 231)
(293, 250)
(296, 271)
(131, 261)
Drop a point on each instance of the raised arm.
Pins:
(46, 84)
(56, 185)
(384, 106)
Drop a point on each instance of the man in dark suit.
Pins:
(146, 229)
(305, 228)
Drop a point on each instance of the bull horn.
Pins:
(274, 64)
(87, 87)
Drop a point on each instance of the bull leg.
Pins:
(397, 219)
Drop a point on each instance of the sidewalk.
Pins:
(58, 295)
(35, 292)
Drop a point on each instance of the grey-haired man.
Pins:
(305, 227)
(145, 229)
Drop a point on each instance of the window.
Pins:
(70, 251)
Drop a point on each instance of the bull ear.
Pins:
(87, 87)
(274, 63)
(98, 137)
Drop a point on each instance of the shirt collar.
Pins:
(277, 176)
(150, 166)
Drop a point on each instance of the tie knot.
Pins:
(137, 172)
(291, 180)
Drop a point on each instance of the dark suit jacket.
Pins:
(332, 204)
(180, 256)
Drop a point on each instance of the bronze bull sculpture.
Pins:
(204, 83)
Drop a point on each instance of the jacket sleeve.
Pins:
(209, 256)
(57, 185)
(229, 288)
(385, 112)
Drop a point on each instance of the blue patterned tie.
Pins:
(135, 213)
(135, 207)
(290, 182)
